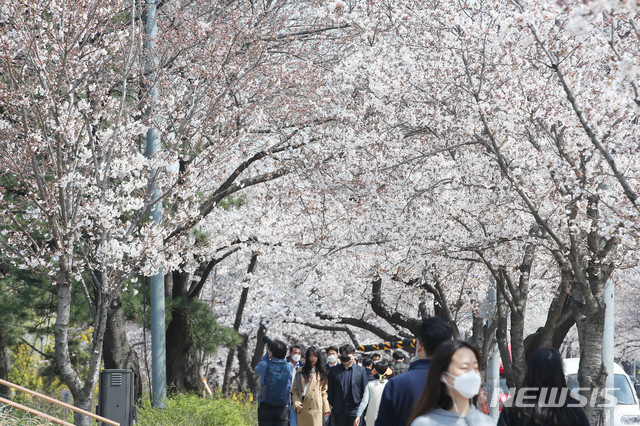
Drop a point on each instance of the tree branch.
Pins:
(360, 323)
(382, 311)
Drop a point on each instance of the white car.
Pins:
(626, 410)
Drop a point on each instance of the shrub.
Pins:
(192, 409)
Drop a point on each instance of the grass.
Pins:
(182, 409)
(192, 409)
(9, 417)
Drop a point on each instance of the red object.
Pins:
(510, 357)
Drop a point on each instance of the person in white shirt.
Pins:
(373, 393)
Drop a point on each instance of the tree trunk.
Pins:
(183, 365)
(4, 362)
(118, 353)
(236, 326)
(591, 373)
(589, 305)
(85, 404)
(501, 337)
(249, 379)
(82, 390)
(555, 330)
(517, 346)
(232, 351)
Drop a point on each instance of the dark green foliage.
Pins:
(208, 335)
(133, 302)
(26, 303)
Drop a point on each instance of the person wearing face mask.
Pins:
(310, 390)
(332, 357)
(401, 393)
(347, 383)
(295, 355)
(332, 361)
(451, 390)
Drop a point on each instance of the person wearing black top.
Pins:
(544, 371)
(368, 366)
(347, 382)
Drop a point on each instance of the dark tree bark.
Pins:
(183, 363)
(441, 307)
(560, 319)
(183, 366)
(501, 337)
(117, 352)
(482, 338)
(236, 327)
(477, 334)
(361, 323)
(392, 317)
(513, 295)
(249, 379)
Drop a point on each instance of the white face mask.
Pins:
(467, 384)
(296, 358)
(332, 358)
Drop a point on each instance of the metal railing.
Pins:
(51, 400)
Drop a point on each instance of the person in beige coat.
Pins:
(309, 390)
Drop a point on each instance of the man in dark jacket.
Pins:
(399, 366)
(402, 392)
(346, 384)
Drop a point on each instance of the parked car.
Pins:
(626, 410)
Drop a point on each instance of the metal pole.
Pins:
(158, 338)
(607, 344)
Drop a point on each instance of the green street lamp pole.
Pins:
(158, 337)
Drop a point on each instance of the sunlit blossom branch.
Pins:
(557, 68)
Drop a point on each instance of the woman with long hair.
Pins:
(310, 390)
(373, 393)
(451, 392)
(546, 395)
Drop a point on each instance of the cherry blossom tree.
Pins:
(68, 124)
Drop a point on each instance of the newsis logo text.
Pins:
(554, 397)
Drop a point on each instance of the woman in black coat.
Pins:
(544, 371)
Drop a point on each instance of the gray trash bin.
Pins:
(116, 397)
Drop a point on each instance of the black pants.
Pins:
(273, 416)
(346, 418)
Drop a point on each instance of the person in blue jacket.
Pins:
(402, 392)
(270, 414)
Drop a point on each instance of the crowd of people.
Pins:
(440, 386)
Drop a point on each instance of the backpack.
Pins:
(277, 384)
